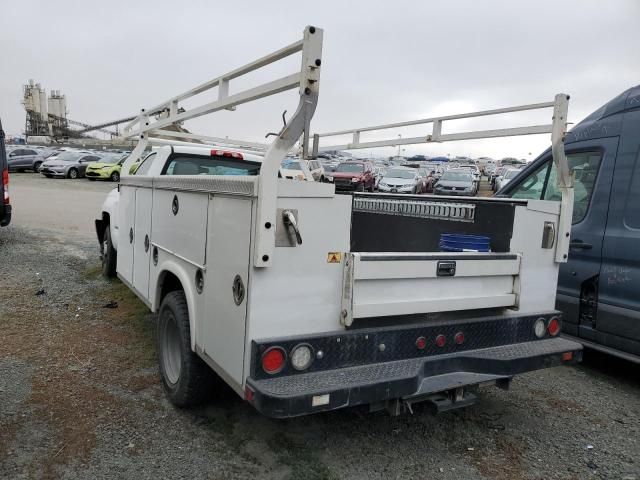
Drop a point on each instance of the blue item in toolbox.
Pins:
(456, 242)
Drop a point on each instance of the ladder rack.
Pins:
(307, 80)
(557, 129)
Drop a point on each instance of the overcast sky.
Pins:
(383, 61)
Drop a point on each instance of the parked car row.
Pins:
(66, 163)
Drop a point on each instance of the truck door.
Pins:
(593, 162)
(142, 240)
(126, 219)
(618, 300)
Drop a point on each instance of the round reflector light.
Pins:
(273, 360)
(553, 327)
(301, 356)
(539, 328)
(459, 338)
(421, 343)
(441, 340)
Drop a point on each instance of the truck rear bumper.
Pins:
(295, 395)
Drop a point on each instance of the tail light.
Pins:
(421, 343)
(554, 326)
(5, 185)
(441, 340)
(273, 360)
(459, 338)
(539, 327)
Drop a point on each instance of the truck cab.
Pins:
(5, 204)
(598, 286)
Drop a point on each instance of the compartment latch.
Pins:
(446, 268)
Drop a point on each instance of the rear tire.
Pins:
(72, 173)
(109, 255)
(115, 177)
(186, 379)
(36, 167)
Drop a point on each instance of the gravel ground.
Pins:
(80, 396)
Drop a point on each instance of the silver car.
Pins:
(68, 164)
(24, 158)
(456, 182)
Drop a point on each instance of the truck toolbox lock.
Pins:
(446, 268)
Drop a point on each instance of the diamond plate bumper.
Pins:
(294, 395)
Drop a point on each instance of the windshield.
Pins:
(291, 165)
(457, 176)
(350, 167)
(68, 156)
(511, 173)
(397, 173)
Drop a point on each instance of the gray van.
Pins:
(599, 287)
(5, 206)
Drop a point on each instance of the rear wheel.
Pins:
(186, 379)
(115, 177)
(109, 255)
(36, 167)
(73, 173)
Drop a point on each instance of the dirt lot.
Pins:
(80, 396)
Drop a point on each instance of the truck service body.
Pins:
(303, 300)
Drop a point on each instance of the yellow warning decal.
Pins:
(334, 257)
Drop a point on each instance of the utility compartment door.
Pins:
(387, 284)
(126, 220)
(142, 240)
(226, 284)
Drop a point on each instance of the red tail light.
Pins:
(421, 343)
(5, 185)
(225, 153)
(459, 338)
(554, 327)
(441, 340)
(273, 360)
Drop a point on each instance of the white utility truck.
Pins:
(303, 300)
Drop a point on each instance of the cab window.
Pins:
(144, 167)
(541, 183)
(213, 165)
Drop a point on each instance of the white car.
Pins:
(400, 180)
(506, 177)
(176, 160)
(297, 169)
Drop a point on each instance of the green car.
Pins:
(109, 168)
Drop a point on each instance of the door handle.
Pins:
(580, 245)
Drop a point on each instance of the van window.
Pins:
(632, 207)
(541, 183)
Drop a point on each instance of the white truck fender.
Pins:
(110, 208)
(170, 266)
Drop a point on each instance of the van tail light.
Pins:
(5, 185)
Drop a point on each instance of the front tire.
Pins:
(72, 173)
(115, 177)
(186, 379)
(109, 255)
